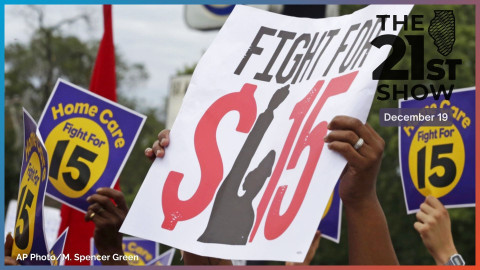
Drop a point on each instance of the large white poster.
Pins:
(247, 174)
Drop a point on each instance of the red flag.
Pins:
(103, 78)
(103, 82)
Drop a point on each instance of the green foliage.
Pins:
(187, 70)
(137, 164)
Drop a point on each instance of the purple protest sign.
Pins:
(88, 139)
(56, 252)
(164, 259)
(332, 218)
(29, 246)
(137, 251)
(440, 161)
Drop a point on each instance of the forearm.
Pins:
(368, 236)
(118, 255)
(433, 225)
(442, 256)
(108, 218)
(113, 251)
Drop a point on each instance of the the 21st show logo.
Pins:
(442, 33)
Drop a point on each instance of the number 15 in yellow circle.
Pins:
(436, 165)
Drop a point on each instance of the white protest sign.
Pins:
(247, 174)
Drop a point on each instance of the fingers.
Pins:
(155, 151)
(149, 153)
(97, 210)
(104, 220)
(96, 213)
(427, 208)
(162, 142)
(366, 132)
(164, 137)
(419, 227)
(158, 147)
(432, 215)
(102, 209)
(348, 130)
(438, 212)
(423, 217)
(115, 195)
(89, 216)
(8, 245)
(377, 141)
(434, 202)
(342, 135)
(346, 150)
(350, 137)
(103, 201)
(342, 122)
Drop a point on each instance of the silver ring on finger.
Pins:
(359, 144)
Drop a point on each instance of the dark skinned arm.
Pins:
(108, 218)
(368, 235)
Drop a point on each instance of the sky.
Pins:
(155, 36)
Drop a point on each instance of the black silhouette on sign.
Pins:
(442, 30)
(232, 216)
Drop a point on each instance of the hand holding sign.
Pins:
(248, 174)
(107, 218)
(440, 160)
(360, 175)
(29, 232)
(88, 139)
(158, 147)
(367, 229)
(434, 227)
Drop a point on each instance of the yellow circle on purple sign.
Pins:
(436, 160)
(78, 150)
(329, 204)
(134, 259)
(26, 206)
